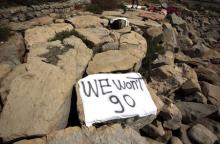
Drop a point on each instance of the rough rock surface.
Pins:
(8, 53)
(4, 70)
(110, 46)
(111, 61)
(177, 20)
(42, 34)
(165, 138)
(191, 86)
(34, 89)
(212, 92)
(135, 44)
(171, 115)
(154, 130)
(12, 50)
(154, 31)
(200, 134)
(18, 40)
(146, 23)
(86, 21)
(106, 134)
(33, 141)
(196, 97)
(72, 56)
(164, 59)
(113, 134)
(169, 39)
(31, 23)
(152, 141)
(96, 36)
(65, 59)
(111, 13)
(175, 140)
(208, 75)
(83, 54)
(166, 79)
(192, 111)
(212, 125)
(183, 134)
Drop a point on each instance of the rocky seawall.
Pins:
(23, 13)
(204, 3)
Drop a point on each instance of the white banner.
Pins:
(114, 96)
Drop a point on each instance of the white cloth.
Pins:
(120, 18)
(135, 6)
(108, 100)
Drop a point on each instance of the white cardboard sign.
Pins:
(115, 96)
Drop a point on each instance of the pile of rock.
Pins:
(23, 13)
(38, 77)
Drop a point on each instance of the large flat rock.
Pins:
(208, 75)
(171, 116)
(201, 134)
(132, 50)
(134, 43)
(96, 36)
(33, 141)
(212, 92)
(38, 100)
(72, 56)
(109, 135)
(83, 54)
(114, 134)
(144, 24)
(192, 111)
(111, 13)
(54, 53)
(4, 70)
(12, 50)
(85, 21)
(41, 34)
(111, 61)
(31, 23)
(168, 78)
